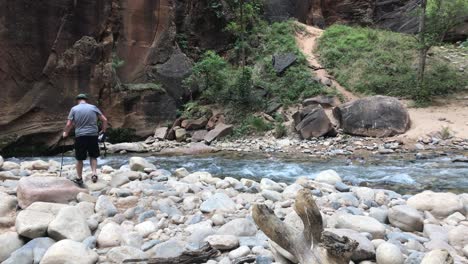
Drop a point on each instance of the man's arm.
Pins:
(67, 128)
(104, 123)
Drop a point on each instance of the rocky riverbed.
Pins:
(141, 212)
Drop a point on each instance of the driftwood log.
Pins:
(313, 245)
(201, 255)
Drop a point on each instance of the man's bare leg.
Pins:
(79, 169)
(93, 162)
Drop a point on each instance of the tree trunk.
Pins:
(313, 245)
(423, 46)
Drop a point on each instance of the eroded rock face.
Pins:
(375, 116)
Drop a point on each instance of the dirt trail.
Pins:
(307, 42)
(451, 112)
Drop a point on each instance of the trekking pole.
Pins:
(61, 163)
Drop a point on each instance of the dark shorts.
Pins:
(86, 146)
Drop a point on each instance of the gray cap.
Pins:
(82, 97)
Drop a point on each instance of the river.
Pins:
(403, 174)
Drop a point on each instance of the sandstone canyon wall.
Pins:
(50, 50)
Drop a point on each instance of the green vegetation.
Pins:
(119, 135)
(252, 125)
(370, 61)
(436, 19)
(193, 110)
(116, 61)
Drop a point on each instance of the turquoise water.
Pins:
(402, 174)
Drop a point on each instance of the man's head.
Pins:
(81, 97)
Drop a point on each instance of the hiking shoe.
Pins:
(94, 178)
(79, 182)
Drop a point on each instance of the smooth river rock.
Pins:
(69, 252)
(32, 252)
(361, 224)
(140, 164)
(9, 242)
(406, 218)
(238, 227)
(437, 256)
(69, 224)
(439, 204)
(33, 224)
(218, 202)
(388, 253)
(46, 189)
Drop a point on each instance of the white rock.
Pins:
(145, 228)
(181, 172)
(267, 184)
(388, 253)
(140, 164)
(110, 235)
(7, 203)
(10, 165)
(218, 219)
(406, 218)
(69, 252)
(329, 176)
(169, 249)
(105, 206)
(32, 224)
(291, 191)
(69, 224)
(272, 195)
(9, 241)
(361, 224)
(437, 256)
(458, 236)
(218, 202)
(364, 193)
(1, 162)
(238, 227)
(239, 252)
(223, 242)
(439, 204)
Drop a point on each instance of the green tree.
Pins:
(437, 18)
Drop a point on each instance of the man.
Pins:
(84, 117)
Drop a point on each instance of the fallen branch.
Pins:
(189, 257)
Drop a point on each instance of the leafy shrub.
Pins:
(193, 109)
(370, 61)
(119, 135)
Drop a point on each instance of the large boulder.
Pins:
(221, 130)
(406, 218)
(238, 227)
(195, 124)
(9, 241)
(69, 224)
(439, 204)
(69, 252)
(46, 189)
(458, 237)
(312, 122)
(33, 224)
(376, 116)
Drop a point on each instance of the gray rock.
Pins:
(282, 61)
(223, 242)
(140, 164)
(312, 122)
(69, 224)
(388, 253)
(406, 218)
(69, 252)
(132, 239)
(342, 187)
(120, 178)
(267, 184)
(344, 199)
(414, 258)
(381, 214)
(272, 195)
(169, 249)
(9, 241)
(32, 252)
(7, 203)
(105, 206)
(167, 206)
(120, 254)
(375, 116)
(218, 202)
(145, 228)
(238, 227)
(90, 242)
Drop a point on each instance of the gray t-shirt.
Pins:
(85, 117)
